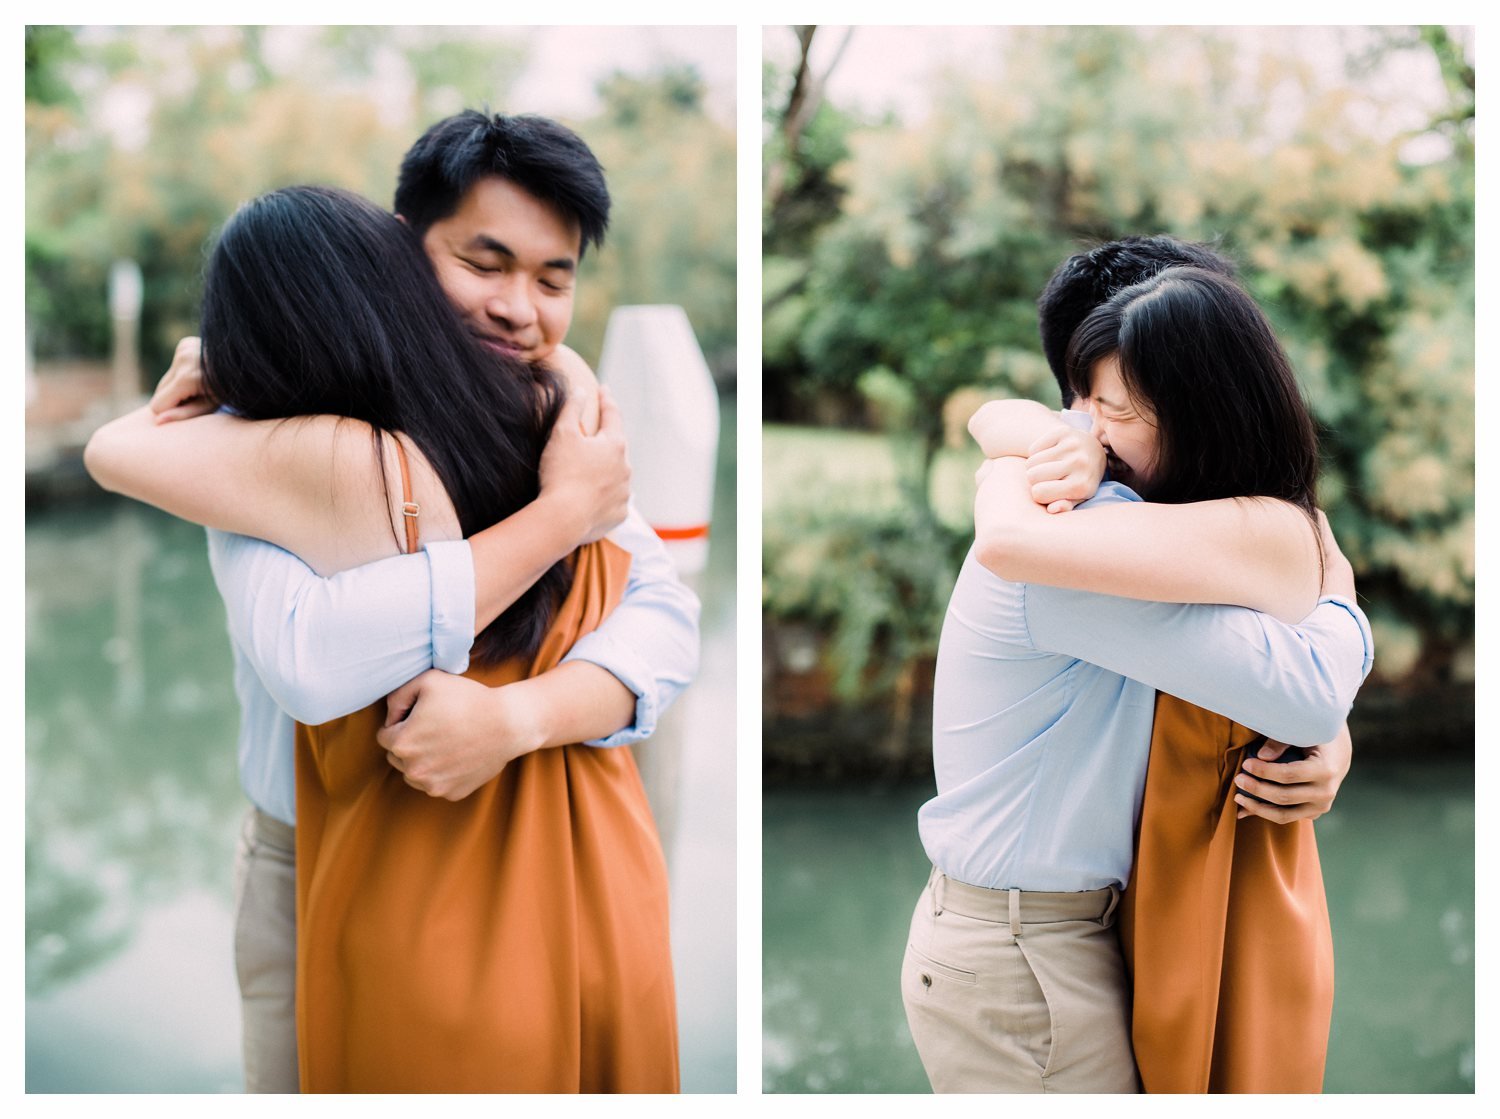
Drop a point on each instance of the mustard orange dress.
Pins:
(512, 941)
(1224, 924)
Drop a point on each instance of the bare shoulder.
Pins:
(436, 517)
(575, 372)
(580, 386)
(352, 492)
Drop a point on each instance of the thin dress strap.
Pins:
(409, 508)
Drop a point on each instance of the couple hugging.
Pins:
(444, 615)
(1125, 890)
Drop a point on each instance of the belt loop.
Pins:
(1015, 913)
(937, 894)
(1114, 903)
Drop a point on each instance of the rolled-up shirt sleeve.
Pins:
(1294, 684)
(650, 641)
(326, 646)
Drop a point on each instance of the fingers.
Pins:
(193, 406)
(1042, 469)
(183, 380)
(399, 703)
(1271, 751)
(569, 417)
(1288, 773)
(609, 414)
(1047, 441)
(1274, 813)
(1273, 791)
(589, 398)
(1065, 489)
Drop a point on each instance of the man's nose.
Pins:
(511, 303)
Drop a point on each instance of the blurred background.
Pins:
(920, 185)
(140, 142)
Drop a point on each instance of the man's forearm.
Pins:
(580, 702)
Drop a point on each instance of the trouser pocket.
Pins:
(976, 1010)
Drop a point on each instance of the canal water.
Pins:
(133, 805)
(843, 868)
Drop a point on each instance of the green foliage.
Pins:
(225, 116)
(1362, 253)
(48, 49)
(671, 175)
(870, 582)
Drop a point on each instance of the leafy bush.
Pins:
(874, 585)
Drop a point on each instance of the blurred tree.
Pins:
(141, 141)
(48, 49)
(1354, 232)
(800, 195)
(671, 171)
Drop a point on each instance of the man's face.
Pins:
(508, 263)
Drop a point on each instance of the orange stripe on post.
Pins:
(691, 532)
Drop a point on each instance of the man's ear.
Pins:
(402, 219)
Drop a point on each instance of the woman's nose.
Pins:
(1100, 427)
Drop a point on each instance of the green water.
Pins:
(843, 868)
(133, 806)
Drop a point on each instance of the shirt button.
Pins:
(926, 980)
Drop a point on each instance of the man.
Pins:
(505, 208)
(1274, 790)
(1239, 965)
(1043, 706)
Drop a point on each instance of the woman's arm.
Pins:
(311, 484)
(1254, 552)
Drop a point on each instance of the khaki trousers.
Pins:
(1008, 991)
(265, 951)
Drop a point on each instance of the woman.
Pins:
(516, 939)
(1044, 696)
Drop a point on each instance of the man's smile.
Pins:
(502, 345)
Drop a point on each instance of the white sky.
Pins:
(891, 68)
(564, 64)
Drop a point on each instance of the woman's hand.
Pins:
(1064, 467)
(179, 394)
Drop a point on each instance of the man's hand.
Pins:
(179, 394)
(1300, 790)
(1064, 467)
(448, 735)
(587, 476)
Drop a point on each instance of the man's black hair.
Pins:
(543, 158)
(1087, 279)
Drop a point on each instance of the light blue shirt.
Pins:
(1043, 705)
(309, 648)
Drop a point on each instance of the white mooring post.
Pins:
(655, 369)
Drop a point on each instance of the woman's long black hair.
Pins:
(316, 301)
(1196, 350)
